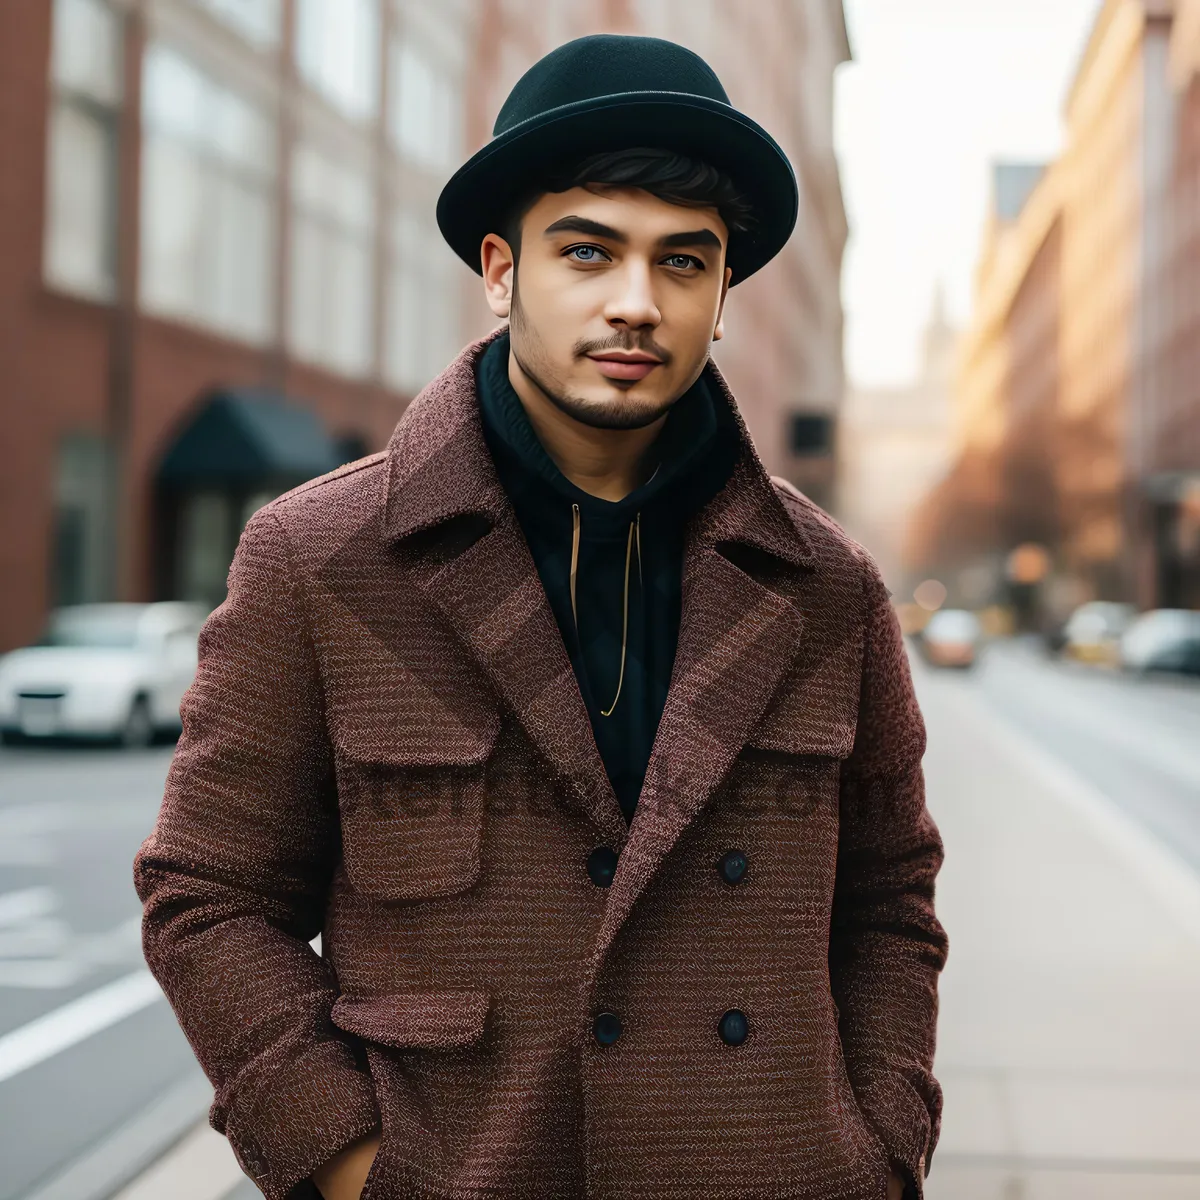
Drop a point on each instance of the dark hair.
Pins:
(670, 176)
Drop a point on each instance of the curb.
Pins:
(126, 1153)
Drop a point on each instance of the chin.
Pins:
(612, 407)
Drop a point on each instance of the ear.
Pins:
(719, 328)
(497, 258)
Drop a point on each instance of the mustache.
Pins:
(631, 345)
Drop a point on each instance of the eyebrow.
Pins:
(576, 224)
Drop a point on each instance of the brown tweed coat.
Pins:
(385, 744)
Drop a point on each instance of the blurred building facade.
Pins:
(894, 445)
(1077, 400)
(220, 272)
(1174, 491)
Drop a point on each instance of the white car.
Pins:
(111, 671)
(952, 638)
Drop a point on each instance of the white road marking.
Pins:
(25, 905)
(44, 937)
(65, 1027)
(41, 951)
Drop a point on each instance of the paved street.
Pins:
(106, 1046)
(1069, 1047)
(1136, 740)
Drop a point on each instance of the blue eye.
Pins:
(592, 253)
(683, 261)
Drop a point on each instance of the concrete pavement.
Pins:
(1069, 1036)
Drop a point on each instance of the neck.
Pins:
(606, 463)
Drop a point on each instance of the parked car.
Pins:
(103, 671)
(1164, 639)
(952, 638)
(1093, 631)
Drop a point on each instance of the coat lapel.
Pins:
(490, 593)
(737, 640)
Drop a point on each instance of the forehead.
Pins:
(641, 217)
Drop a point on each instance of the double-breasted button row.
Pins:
(731, 866)
(602, 865)
(733, 1028)
(606, 1028)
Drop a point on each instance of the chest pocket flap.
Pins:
(412, 791)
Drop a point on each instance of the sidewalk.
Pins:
(200, 1167)
(1069, 1035)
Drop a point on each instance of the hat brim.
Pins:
(480, 191)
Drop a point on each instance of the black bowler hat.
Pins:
(612, 92)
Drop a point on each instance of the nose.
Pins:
(633, 305)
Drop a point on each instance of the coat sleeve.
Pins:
(887, 947)
(234, 879)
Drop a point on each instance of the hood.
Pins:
(695, 453)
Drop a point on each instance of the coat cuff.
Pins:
(901, 1120)
(300, 1117)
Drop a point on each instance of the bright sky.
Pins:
(938, 89)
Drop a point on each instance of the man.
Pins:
(590, 750)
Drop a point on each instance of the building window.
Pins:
(331, 319)
(81, 185)
(256, 20)
(337, 50)
(810, 434)
(424, 112)
(422, 333)
(208, 174)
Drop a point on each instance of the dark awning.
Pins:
(247, 437)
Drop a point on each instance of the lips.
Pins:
(622, 367)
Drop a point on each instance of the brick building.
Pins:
(998, 491)
(1173, 485)
(220, 272)
(1078, 404)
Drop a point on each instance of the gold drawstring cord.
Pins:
(574, 560)
(634, 526)
(638, 534)
(635, 531)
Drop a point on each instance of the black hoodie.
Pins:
(638, 538)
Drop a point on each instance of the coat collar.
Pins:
(439, 468)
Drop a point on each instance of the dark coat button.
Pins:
(732, 866)
(733, 1027)
(606, 1028)
(601, 865)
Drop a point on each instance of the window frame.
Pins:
(105, 114)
